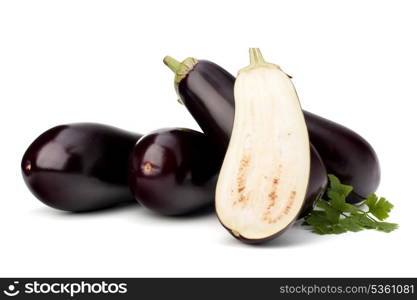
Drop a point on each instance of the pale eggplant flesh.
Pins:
(264, 176)
(206, 89)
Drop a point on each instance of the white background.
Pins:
(101, 61)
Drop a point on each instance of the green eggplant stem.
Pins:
(256, 57)
(173, 64)
(181, 69)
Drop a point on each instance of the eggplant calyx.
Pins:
(181, 69)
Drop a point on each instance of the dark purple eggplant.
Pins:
(346, 154)
(206, 90)
(317, 182)
(174, 171)
(79, 167)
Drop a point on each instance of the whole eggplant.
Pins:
(206, 90)
(173, 171)
(346, 154)
(79, 167)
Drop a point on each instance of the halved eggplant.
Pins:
(263, 180)
(206, 89)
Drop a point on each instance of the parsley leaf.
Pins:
(351, 224)
(380, 208)
(386, 227)
(335, 216)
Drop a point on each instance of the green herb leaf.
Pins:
(332, 214)
(365, 221)
(386, 227)
(351, 223)
(335, 216)
(380, 208)
(337, 187)
(316, 218)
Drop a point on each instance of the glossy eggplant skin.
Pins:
(79, 167)
(346, 154)
(317, 182)
(207, 92)
(174, 171)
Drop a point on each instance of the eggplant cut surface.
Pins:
(206, 90)
(264, 176)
